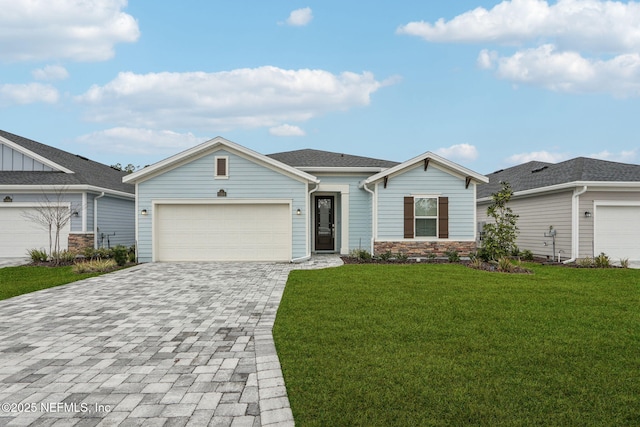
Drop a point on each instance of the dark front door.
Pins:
(325, 225)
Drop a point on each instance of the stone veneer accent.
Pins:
(424, 248)
(77, 242)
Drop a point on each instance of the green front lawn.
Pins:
(444, 345)
(16, 281)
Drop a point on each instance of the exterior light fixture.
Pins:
(298, 212)
(587, 214)
(75, 214)
(143, 212)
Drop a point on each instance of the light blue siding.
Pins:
(359, 209)
(434, 182)
(247, 180)
(116, 222)
(11, 160)
(44, 199)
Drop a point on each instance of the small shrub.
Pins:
(602, 261)
(515, 252)
(476, 263)
(94, 266)
(386, 256)
(585, 262)
(505, 265)
(453, 256)
(401, 256)
(38, 255)
(65, 257)
(624, 262)
(527, 255)
(132, 253)
(361, 254)
(120, 255)
(103, 253)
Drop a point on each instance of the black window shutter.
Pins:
(443, 217)
(408, 218)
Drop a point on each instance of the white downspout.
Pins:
(308, 256)
(575, 223)
(373, 214)
(95, 220)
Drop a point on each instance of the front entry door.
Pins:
(325, 225)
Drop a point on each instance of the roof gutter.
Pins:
(363, 185)
(575, 223)
(95, 219)
(308, 256)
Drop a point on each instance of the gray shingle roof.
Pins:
(535, 174)
(86, 172)
(319, 158)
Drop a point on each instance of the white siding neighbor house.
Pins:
(593, 207)
(222, 201)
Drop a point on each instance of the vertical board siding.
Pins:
(359, 209)
(12, 160)
(586, 224)
(536, 214)
(433, 181)
(116, 222)
(247, 180)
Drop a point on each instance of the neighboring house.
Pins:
(34, 175)
(592, 205)
(222, 201)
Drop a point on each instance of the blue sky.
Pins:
(486, 84)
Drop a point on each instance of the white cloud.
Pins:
(541, 156)
(84, 30)
(603, 26)
(625, 156)
(243, 98)
(21, 94)
(137, 141)
(577, 46)
(300, 17)
(459, 152)
(570, 72)
(50, 72)
(286, 130)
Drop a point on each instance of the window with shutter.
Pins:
(426, 217)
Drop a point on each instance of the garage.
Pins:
(20, 234)
(240, 231)
(617, 231)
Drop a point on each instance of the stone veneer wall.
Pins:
(423, 248)
(77, 242)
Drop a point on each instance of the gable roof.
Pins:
(69, 169)
(308, 159)
(534, 174)
(210, 146)
(428, 156)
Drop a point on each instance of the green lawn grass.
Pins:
(16, 281)
(444, 345)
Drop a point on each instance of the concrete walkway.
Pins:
(186, 344)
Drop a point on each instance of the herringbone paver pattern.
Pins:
(185, 344)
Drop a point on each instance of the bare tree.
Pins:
(53, 214)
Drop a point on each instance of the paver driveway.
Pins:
(159, 344)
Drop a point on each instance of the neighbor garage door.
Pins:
(617, 231)
(19, 234)
(223, 232)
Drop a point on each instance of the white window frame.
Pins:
(416, 217)
(215, 167)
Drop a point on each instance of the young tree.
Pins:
(53, 214)
(500, 235)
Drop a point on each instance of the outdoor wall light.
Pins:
(298, 212)
(587, 214)
(7, 199)
(143, 212)
(75, 214)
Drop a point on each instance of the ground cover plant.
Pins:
(443, 344)
(16, 281)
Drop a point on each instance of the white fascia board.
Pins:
(65, 189)
(205, 148)
(332, 169)
(437, 159)
(613, 185)
(34, 156)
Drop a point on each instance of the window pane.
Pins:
(427, 207)
(426, 227)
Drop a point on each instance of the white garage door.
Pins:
(223, 232)
(18, 234)
(617, 231)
